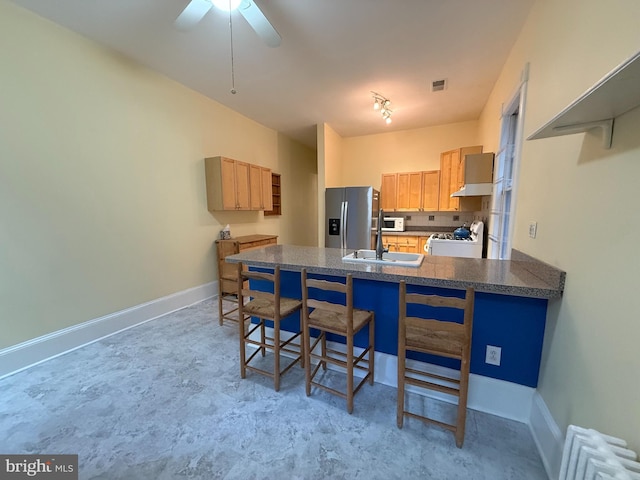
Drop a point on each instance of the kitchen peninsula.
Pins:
(510, 308)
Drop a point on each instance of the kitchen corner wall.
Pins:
(367, 157)
(584, 200)
(102, 190)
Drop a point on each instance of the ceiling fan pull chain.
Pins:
(233, 77)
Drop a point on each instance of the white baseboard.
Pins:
(24, 355)
(547, 435)
(497, 397)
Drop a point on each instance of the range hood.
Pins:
(474, 190)
(478, 175)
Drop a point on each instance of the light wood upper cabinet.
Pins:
(412, 191)
(267, 197)
(260, 180)
(430, 191)
(409, 191)
(243, 187)
(452, 165)
(235, 185)
(388, 191)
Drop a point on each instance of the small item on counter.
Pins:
(225, 233)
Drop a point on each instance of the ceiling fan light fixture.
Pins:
(226, 5)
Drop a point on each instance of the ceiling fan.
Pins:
(197, 9)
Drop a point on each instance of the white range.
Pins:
(445, 244)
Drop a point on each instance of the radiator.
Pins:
(591, 455)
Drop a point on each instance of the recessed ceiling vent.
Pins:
(438, 85)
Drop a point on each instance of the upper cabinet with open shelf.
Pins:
(615, 94)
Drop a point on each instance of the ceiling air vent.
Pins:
(438, 85)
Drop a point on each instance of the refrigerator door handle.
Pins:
(343, 220)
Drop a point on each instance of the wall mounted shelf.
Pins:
(616, 93)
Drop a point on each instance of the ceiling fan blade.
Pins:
(192, 14)
(252, 13)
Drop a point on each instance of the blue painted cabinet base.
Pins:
(516, 324)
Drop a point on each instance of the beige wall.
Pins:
(367, 157)
(102, 192)
(585, 201)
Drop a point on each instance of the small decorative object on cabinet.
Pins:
(276, 196)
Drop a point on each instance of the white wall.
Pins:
(102, 191)
(584, 199)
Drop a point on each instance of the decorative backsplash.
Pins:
(435, 219)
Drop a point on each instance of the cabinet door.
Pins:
(267, 197)
(228, 186)
(422, 243)
(430, 190)
(445, 181)
(255, 184)
(454, 179)
(388, 192)
(407, 244)
(390, 242)
(243, 186)
(409, 191)
(462, 165)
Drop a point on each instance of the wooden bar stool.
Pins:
(339, 319)
(435, 337)
(227, 282)
(266, 306)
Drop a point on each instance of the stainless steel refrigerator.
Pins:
(351, 217)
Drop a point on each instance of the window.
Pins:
(506, 175)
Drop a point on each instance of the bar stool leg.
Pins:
(276, 351)
(372, 343)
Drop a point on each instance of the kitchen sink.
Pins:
(399, 259)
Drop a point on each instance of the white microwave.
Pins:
(393, 224)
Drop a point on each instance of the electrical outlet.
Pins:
(432, 218)
(408, 217)
(493, 355)
(533, 229)
(456, 218)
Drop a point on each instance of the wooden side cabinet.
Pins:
(227, 272)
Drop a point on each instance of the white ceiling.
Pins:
(333, 53)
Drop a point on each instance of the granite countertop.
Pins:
(522, 276)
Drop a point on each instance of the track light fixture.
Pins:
(383, 105)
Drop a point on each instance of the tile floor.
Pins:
(164, 400)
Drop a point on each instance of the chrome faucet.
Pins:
(379, 246)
